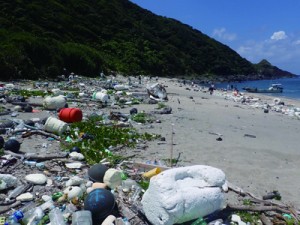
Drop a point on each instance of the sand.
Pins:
(259, 151)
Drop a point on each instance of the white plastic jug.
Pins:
(103, 97)
(54, 102)
(56, 126)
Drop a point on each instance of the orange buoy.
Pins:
(70, 115)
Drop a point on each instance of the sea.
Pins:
(291, 86)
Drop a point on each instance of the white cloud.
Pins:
(279, 35)
(222, 34)
(297, 42)
(283, 54)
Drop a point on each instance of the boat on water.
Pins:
(274, 88)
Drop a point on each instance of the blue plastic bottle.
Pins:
(14, 218)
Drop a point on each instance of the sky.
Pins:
(255, 29)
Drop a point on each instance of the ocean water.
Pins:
(291, 86)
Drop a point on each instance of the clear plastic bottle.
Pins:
(56, 217)
(83, 217)
(14, 218)
(33, 216)
(16, 192)
(136, 193)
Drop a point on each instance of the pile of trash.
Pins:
(59, 161)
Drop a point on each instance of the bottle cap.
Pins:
(18, 214)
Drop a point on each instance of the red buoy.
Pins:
(70, 115)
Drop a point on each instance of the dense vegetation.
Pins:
(40, 38)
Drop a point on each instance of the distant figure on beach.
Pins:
(211, 89)
(140, 79)
(236, 92)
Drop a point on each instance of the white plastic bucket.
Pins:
(103, 97)
(56, 126)
(54, 102)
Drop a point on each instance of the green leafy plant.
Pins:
(141, 118)
(96, 139)
(251, 217)
(247, 202)
(144, 184)
(29, 93)
(161, 105)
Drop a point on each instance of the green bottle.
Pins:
(199, 221)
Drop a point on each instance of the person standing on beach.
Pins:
(211, 89)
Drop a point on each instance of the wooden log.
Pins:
(9, 207)
(265, 220)
(257, 208)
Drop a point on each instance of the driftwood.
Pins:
(257, 208)
(265, 219)
(265, 205)
(35, 156)
(9, 207)
(16, 155)
(32, 132)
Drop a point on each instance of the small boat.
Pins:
(274, 88)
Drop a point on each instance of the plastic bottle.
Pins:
(16, 192)
(33, 216)
(83, 217)
(136, 193)
(56, 217)
(199, 221)
(14, 218)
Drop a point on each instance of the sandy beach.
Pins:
(258, 152)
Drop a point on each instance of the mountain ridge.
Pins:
(38, 39)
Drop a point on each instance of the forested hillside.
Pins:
(40, 38)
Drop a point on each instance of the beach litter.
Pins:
(66, 169)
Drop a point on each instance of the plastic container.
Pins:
(83, 217)
(136, 194)
(54, 125)
(17, 191)
(15, 218)
(54, 103)
(70, 115)
(127, 184)
(152, 173)
(101, 203)
(103, 97)
(56, 217)
(33, 216)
